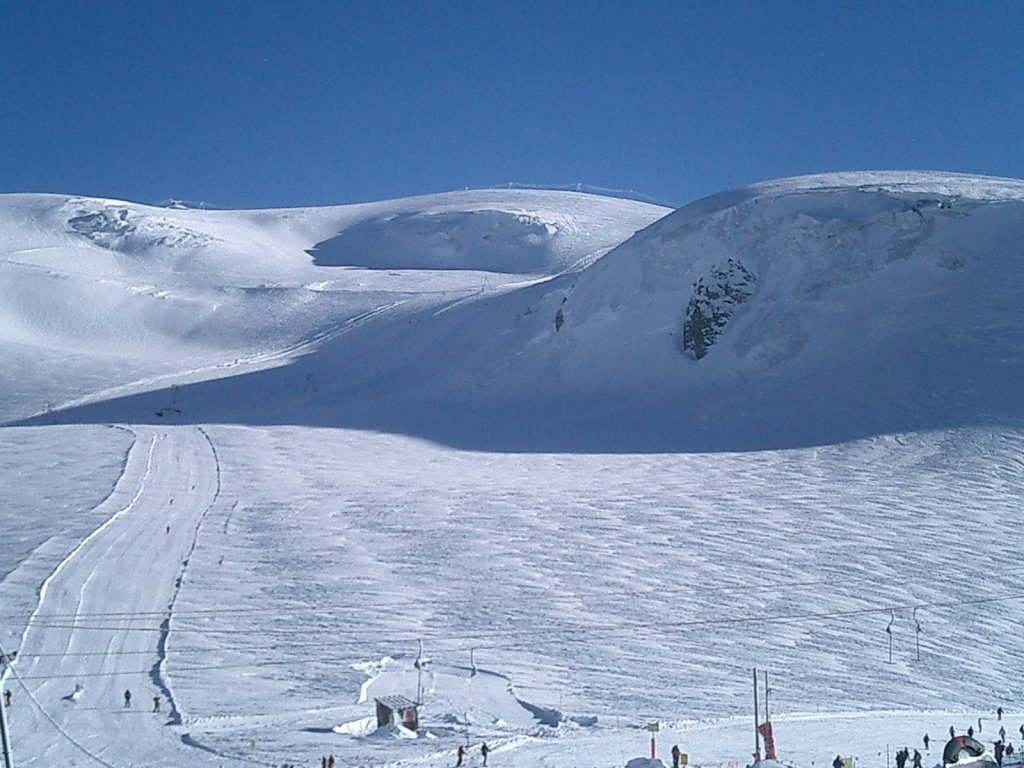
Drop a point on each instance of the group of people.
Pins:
(1002, 750)
(327, 761)
(460, 754)
(128, 701)
(904, 755)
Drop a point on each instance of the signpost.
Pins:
(653, 727)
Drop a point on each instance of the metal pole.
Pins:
(419, 675)
(767, 690)
(888, 631)
(4, 736)
(757, 740)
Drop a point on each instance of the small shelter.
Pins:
(398, 710)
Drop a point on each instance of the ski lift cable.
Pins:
(461, 641)
(261, 610)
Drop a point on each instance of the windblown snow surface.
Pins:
(555, 464)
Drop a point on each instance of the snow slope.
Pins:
(830, 308)
(779, 428)
(101, 297)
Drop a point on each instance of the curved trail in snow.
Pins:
(105, 612)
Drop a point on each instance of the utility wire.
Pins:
(444, 634)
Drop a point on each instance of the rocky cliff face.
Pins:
(716, 296)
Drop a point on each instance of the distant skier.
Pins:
(917, 759)
(999, 713)
(998, 752)
(461, 753)
(901, 758)
(156, 703)
(484, 751)
(970, 731)
(926, 740)
(323, 761)
(1002, 733)
(330, 761)
(127, 698)
(838, 762)
(7, 698)
(675, 756)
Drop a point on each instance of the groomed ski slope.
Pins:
(593, 594)
(415, 454)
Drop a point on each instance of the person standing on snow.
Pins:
(917, 759)
(7, 698)
(926, 740)
(675, 756)
(156, 703)
(330, 761)
(838, 762)
(484, 751)
(127, 698)
(461, 753)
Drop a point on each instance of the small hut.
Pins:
(398, 710)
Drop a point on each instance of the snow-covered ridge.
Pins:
(142, 297)
(801, 311)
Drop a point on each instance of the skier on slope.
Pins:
(461, 753)
(484, 750)
(127, 698)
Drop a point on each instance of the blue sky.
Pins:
(258, 104)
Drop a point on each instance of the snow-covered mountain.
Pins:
(806, 311)
(780, 427)
(102, 297)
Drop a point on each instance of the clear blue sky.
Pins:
(257, 104)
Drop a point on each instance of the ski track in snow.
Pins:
(94, 622)
(262, 360)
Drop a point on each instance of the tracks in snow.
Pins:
(106, 610)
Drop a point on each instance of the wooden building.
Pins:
(398, 710)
